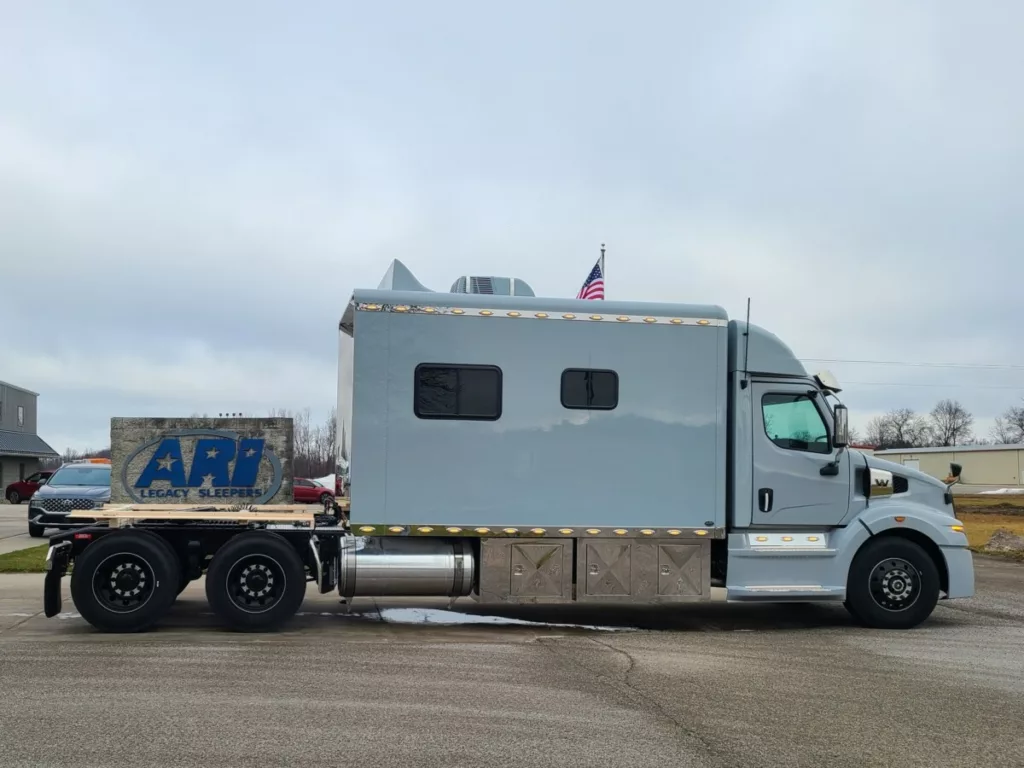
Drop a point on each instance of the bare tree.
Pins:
(1009, 427)
(314, 445)
(951, 423)
(877, 431)
(899, 428)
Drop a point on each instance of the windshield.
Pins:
(81, 476)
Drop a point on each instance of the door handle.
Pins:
(765, 496)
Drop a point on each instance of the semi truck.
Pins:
(512, 448)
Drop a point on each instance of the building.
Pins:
(991, 465)
(21, 449)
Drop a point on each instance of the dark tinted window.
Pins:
(457, 392)
(585, 388)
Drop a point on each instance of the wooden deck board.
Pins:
(223, 512)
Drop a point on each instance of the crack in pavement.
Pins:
(18, 624)
(626, 687)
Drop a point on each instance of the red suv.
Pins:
(23, 489)
(310, 492)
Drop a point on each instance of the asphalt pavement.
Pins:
(703, 685)
(14, 528)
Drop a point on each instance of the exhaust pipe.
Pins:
(396, 567)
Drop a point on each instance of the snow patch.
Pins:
(1002, 492)
(436, 616)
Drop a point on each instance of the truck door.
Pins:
(796, 478)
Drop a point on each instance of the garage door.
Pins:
(913, 464)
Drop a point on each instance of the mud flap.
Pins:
(56, 566)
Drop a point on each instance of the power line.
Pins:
(978, 366)
(1019, 387)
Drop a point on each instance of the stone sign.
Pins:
(201, 461)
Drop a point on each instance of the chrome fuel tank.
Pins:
(383, 567)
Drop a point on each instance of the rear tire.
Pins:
(14, 497)
(36, 531)
(893, 584)
(172, 553)
(125, 581)
(256, 582)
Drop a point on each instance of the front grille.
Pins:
(66, 505)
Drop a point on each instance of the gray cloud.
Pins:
(852, 167)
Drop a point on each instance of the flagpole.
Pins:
(604, 275)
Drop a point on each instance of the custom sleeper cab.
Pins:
(620, 451)
(519, 449)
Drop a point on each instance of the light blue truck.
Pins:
(518, 449)
(622, 451)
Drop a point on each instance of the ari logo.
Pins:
(204, 465)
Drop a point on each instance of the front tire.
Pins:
(256, 582)
(36, 531)
(893, 584)
(125, 582)
(14, 497)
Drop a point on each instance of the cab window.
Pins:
(793, 422)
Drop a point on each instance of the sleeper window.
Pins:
(590, 389)
(457, 392)
(793, 422)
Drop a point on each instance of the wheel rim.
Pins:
(123, 583)
(895, 584)
(256, 583)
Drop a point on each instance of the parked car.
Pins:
(76, 485)
(22, 490)
(308, 491)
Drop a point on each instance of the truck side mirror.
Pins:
(842, 436)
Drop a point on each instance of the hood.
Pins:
(98, 492)
(907, 472)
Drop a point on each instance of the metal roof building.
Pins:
(998, 465)
(21, 449)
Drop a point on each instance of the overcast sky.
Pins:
(189, 191)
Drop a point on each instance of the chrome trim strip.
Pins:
(535, 532)
(526, 314)
(787, 541)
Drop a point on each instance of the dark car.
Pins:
(308, 491)
(22, 490)
(78, 485)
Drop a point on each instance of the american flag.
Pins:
(593, 288)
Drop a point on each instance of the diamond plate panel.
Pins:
(536, 569)
(607, 568)
(516, 571)
(680, 569)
